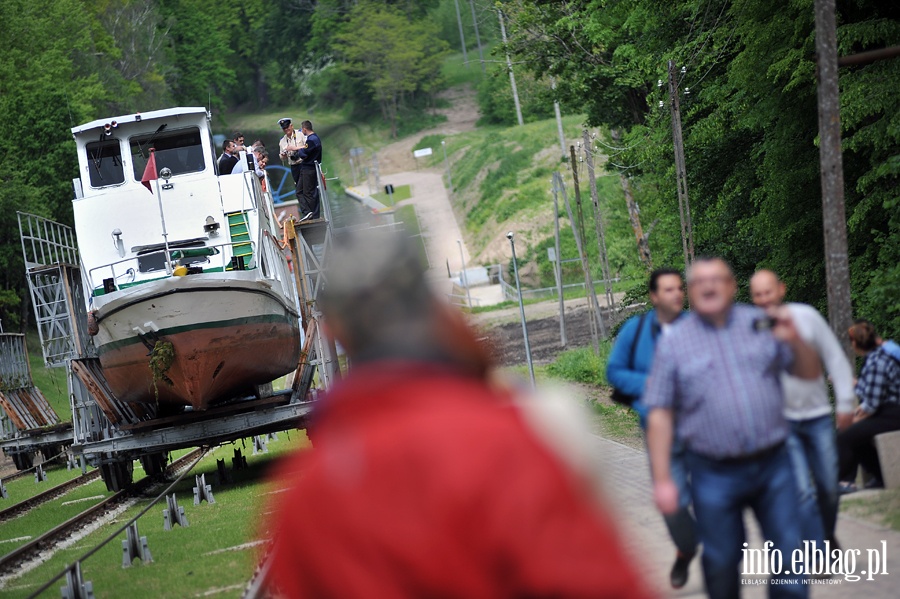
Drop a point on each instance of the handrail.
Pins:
(111, 265)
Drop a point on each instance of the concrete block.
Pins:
(888, 446)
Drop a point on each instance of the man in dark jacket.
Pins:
(308, 185)
(227, 160)
(627, 370)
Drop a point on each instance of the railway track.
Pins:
(11, 561)
(48, 495)
(28, 471)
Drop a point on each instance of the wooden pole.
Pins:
(598, 220)
(834, 219)
(634, 213)
(462, 37)
(559, 125)
(684, 209)
(589, 281)
(512, 76)
(563, 340)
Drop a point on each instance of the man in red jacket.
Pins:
(424, 480)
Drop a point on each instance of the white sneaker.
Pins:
(307, 217)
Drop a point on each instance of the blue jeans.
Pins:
(721, 490)
(681, 525)
(814, 457)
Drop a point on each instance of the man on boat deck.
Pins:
(308, 187)
(288, 145)
(227, 160)
(425, 480)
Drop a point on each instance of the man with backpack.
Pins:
(627, 370)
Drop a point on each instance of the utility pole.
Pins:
(512, 76)
(592, 293)
(559, 126)
(462, 37)
(684, 209)
(375, 170)
(593, 304)
(598, 220)
(834, 218)
(477, 36)
(634, 213)
(563, 339)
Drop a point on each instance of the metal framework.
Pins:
(25, 414)
(55, 285)
(109, 432)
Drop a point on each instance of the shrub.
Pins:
(582, 365)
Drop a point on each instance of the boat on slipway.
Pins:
(190, 296)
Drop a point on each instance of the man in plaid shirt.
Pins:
(878, 390)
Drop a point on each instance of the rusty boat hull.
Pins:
(227, 335)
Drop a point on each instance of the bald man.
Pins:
(811, 443)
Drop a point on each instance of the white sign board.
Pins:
(422, 153)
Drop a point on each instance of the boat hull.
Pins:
(225, 340)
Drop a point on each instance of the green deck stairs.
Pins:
(240, 237)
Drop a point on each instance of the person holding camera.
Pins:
(627, 369)
(807, 407)
(288, 146)
(716, 377)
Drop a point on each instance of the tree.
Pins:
(749, 121)
(50, 80)
(200, 50)
(395, 56)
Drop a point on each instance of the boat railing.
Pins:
(114, 285)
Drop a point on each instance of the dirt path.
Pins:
(436, 221)
(429, 196)
(461, 116)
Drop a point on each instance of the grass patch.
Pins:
(881, 507)
(48, 515)
(181, 567)
(401, 192)
(618, 423)
(582, 365)
(407, 215)
(25, 487)
(455, 71)
(433, 141)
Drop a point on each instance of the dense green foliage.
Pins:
(750, 124)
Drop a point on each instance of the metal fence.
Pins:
(509, 289)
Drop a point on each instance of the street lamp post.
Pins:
(464, 278)
(512, 244)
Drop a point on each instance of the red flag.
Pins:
(150, 171)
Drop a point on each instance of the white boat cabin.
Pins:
(132, 232)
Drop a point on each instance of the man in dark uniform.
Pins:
(227, 160)
(308, 186)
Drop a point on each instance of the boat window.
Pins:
(180, 150)
(104, 160)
